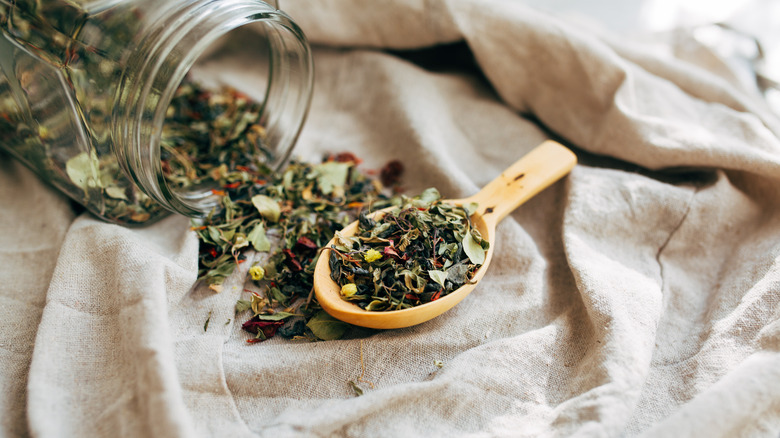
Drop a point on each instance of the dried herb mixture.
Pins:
(291, 215)
(208, 133)
(414, 254)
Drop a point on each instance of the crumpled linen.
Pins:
(639, 296)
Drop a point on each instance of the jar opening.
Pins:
(230, 87)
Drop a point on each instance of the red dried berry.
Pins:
(391, 173)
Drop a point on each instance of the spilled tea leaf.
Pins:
(326, 327)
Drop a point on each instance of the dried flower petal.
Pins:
(372, 255)
(257, 273)
(349, 290)
(267, 328)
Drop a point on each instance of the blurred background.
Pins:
(745, 34)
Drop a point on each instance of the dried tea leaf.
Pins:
(267, 207)
(330, 175)
(377, 305)
(470, 208)
(206, 325)
(258, 238)
(243, 306)
(473, 249)
(326, 327)
(438, 276)
(358, 390)
(278, 316)
(116, 193)
(240, 240)
(83, 170)
(430, 195)
(215, 235)
(458, 274)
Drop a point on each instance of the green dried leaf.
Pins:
(267, 207)
(277, 295)
(259, 239)
(326, 327)
(473, 249)
(429, 195)
(240, 240)
(457, 274)
(217, 275)
(278, 316)
(206, 325)
(215, 235)
(438, 276)
(377, 305)
(358, 390)
(83, 170)
(243, 306)
(116, 193)
(330, 175)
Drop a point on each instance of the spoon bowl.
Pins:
(534, 172)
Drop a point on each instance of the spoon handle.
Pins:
(540, 168)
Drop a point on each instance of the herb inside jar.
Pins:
(59, 85)
(210, 133)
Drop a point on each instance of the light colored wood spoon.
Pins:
(534, 172)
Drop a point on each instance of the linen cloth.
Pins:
(639, 296)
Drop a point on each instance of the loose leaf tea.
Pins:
(208, 134)
(414, 254)
(291, 215)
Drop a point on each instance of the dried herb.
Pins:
(414, 254)
(355, 388)
(290, 215)
(206, 325)
(326, 327)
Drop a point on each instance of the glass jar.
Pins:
(89, 92)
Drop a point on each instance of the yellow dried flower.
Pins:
(257, 273)
(372, 255)
(349, 289)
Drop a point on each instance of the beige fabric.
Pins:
(640, 296)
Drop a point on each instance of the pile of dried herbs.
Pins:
(291, 215)
(414, 254)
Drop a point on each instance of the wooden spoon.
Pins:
(534, 172)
